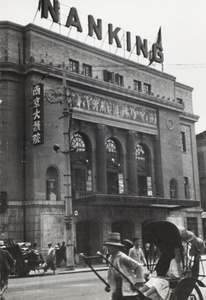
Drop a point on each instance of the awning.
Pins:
(135, 201)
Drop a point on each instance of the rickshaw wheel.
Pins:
(195, 294)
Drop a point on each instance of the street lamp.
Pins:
(66, 115)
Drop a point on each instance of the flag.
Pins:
(159, 37)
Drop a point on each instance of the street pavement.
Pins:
(79, 284)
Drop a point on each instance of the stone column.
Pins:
(101, 159)
(131, 164)
(159, 189)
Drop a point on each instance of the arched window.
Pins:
(115, 180)
(52, 184)
(81, 165)
(143, 167)
(78, 143)
(173, 188)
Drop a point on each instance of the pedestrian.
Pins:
(136, 252)
(127, 246)
(105, 252)
(76, 256)
(6, 266)
(62, 253)
(50, 259)
(88, 252)
(120, 287)
(58, 255)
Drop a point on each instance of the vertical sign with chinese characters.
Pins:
(38, 114)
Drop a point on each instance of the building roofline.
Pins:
(52, 34)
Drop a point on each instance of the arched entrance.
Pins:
(124, 228)
(88, 237)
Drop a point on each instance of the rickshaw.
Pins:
(160, 239)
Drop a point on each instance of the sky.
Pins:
(183, 26)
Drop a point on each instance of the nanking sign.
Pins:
(95, 28)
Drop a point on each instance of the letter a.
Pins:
(73, 20)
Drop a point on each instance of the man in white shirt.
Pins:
(50, 260)
(137, 253)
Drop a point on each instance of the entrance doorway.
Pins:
(88, 237)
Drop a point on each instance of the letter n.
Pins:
(54, 10)
(141, 47)
(73, 20)
(95, 27)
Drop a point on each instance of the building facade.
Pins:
(201, 152)
(131, 129)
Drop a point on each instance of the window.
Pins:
(147, 88)
(144, 180)
(80, 165)
(137, 85)
(112, 183)
(80, 179)
(78, 143)
(87, 70)
(115, 177)
(108, 76)
(119, 80)
(140, 157)
(179, 100)
(113, 78)
(173, 188)
(142, 185)
(112, 153)
(52, 184)
(186, 187)
(183, 142)
(74, 66)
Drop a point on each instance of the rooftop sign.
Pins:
(95, 29)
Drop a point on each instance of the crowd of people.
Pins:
(126, 272)
(55, 255)
(128, 259)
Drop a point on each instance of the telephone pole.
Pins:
(67, 111)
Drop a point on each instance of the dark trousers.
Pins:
(118, 293)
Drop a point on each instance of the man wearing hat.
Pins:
(120, 287)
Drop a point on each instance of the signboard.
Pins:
(95, 30)
(112, 107)
(38, 114)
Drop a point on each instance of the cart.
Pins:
(160, 239)
(26, 259)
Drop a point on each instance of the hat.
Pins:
(114, 239)
(128, 242)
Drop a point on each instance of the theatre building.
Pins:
(132, 141)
